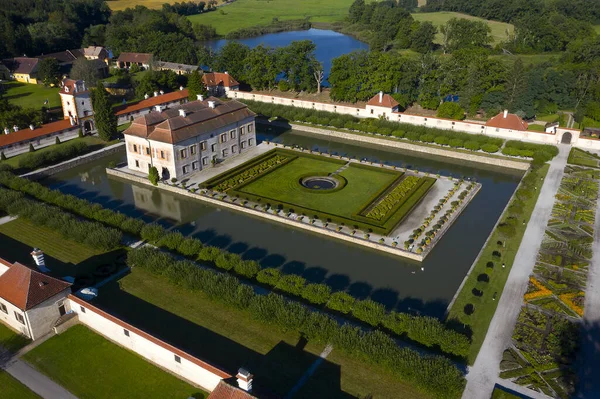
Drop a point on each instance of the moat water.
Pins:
(427, 287)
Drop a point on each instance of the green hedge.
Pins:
(53, 155)
(435, 375)
(91, 234)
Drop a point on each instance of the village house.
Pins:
(382, 105)
(96, 53)
(24, 69)
(189, 137)
(219, 83)
(30, 302)
(98, 56)
(179, 69)
(126, 60)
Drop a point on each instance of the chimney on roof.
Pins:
(244, 380)
(161, 92)
(31, 127)
(155, 94)
(200, 97)
(212, 104)
(15, 128)
(83, 85)
(180, 87)
(226, 73)
(6, 130)
(182, 112)
(146, 96)
(71, 120)
(505, 113)
(158, 108)
(380, 97)
(38, 256)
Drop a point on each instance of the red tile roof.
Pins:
(218, 78)
(28, 134)
(386, 101)
(25, 288)
(227, 391)
(143, 58)
(510, 121)
(74, 86)
(152, 101)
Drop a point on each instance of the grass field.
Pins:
(360, 186)
(500, 394)
(485, 306)
(230, 338)
(247, 13)
(10, 340)
(90, 366)
(440, 18)
(46, 239)
(13, 389)
(117, 5)
(30, 95)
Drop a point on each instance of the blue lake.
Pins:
(329, 44)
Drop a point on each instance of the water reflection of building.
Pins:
(153, 201)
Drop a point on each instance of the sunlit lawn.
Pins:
(31, 96)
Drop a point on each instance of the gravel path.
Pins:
(482, 376)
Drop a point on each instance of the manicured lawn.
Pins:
(90, 366)
(10, 388)
(360, 186)
(589, 122)
(247, 13)
(440, 18)
(580, 157)
(230, 338)
(485, 306)
(500, 394)
(93, 142)
(30, 95)
(46, 239)
(11, 340)
(536, 128)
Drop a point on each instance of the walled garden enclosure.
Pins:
(366, 197)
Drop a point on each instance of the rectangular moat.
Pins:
(396, 210)
(426, 287)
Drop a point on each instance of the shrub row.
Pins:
(53, 155)
(450, 138)
(91, 234)
(317, 294)
(540, 153)
(435, 375)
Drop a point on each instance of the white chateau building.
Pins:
(189, 137)
(76, 103)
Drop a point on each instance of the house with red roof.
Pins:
(506, 121)
(30, 301)
(381, 105)
(219, 83)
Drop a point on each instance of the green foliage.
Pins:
(269, 276)
(152, 232)
(190, 247)
(397, 195)
(153, 175)
(48, 71)
(451, 110)
(251, 173)
(2, 156)
(341, 301)
(53, 155)
(247, 268)
(291, 283)
(31, 147)
(170, 240)
(195, 86)
(316, 293)
(369, 311)
(106, 120)
(461, 33)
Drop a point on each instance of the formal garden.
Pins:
(580, 157)
(333, 190)
(546, 337)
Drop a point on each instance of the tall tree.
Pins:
(356, 10)
(460, 33)
(421, 38)
(261, 68)
(85, 70)
(195, 86)
(515, 86)
(48, 71)
(105, 118)
(230, 58)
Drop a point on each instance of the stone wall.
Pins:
(147, 346)
(92, 156)
(500, 161)
(264, 215)
(23, 146)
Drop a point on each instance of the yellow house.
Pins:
(24, 69)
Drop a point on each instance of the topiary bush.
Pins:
(269, 276)
(316, 293)
(341, 301)
(170, 240)
(247, 268)
(369, 311)
(190, 247)
(291, 283)
(152, 232)
(209, 253)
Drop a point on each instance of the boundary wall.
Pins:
(554, 136)
(147, 346)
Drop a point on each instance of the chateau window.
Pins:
(234, 149)
(242, 131)
(250, 127)
(193, 150)
(186, 169)
(205, 161)
(183, 153)
(3, 308)
(135, 148)
(213, 148)
(82, 309)
(250, 142)
(162, 154)
(243, 144)
(195, 165)
(225, 152)
(232, 134)
(177, 359)
(371, 111)
(223, 137)
(137, 163)
(203, 146)
(147, 150)
(126, 332)
(19, 318)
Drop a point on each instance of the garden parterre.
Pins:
(546, 336)
(368, 197)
